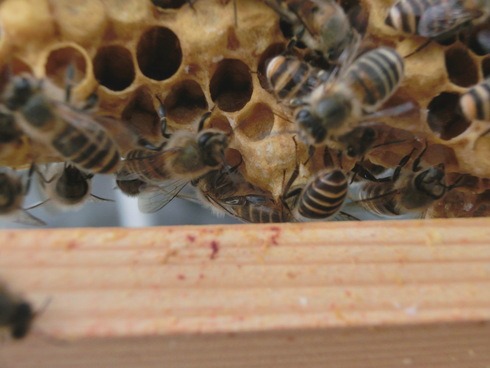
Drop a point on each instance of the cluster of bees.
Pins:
(335, 90)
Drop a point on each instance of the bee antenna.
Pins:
(37, 205)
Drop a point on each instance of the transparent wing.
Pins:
(25, 218)
(153, 198)
(444, 18)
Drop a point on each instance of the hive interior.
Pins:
(196, 59)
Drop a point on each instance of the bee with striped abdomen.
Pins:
(336, 107)
(436, 18)
(475, 103)
(405, 192)
(292, 80)
(71, 133)
(321, 25)
(323, 196)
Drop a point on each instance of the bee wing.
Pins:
(344, 216)
(123, 136)
(153, 198)
(25, 218)
(444, 18)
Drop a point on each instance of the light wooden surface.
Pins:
(366, 294)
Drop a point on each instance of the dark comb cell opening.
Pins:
(114, 68)
(461, 68)
(485, 67)
(479, 40)
(185, 103)
(257, 122)
(219, 122)
(270, 52)
(233, 157)
(445, 118)
(140, 114)
(231, 85)
(447, 40)
(159, 53)
(169, 4)
(58, 62)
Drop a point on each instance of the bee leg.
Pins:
(69, 78)
(401, 165)
(416, 163)
(162, 116)
(91, 101)
(204, 117)
(150, 146)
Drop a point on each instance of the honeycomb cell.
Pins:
(445, 118)
(485, 67)
(270, 52)
(169, 4)
(140, 114)
(461, 68)
(256, 122)
(19, 66)
(114, 68)
(60, 59)
(159, 53)
(233, 157)
(186, 102)
(221, 122)
(231, 85)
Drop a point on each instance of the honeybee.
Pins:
(436, 18)
(336, 107)
(67, 186)
(475, 103)
(292, 79)
(227, 191)
(323, 196)
(12, 194)
(412, 191)
(16, 314)
(186, 156)
(321, 25)
(72, 133)
(257, 208)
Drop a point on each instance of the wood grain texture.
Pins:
(367, 294)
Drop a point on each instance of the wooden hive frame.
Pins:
(369, 294)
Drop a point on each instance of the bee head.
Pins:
(8, 128)
(18, 92)
(21, 320)
(311, 129)
(431, 182)
(212, 144)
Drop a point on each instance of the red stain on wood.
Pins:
(214, 249)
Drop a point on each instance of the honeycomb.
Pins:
(200, 58)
